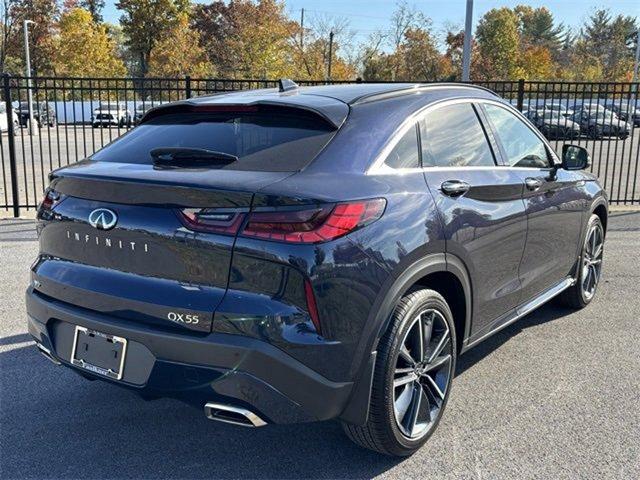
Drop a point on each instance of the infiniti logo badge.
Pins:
(103, 219)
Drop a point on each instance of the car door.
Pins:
(480, 204)
(554, 202)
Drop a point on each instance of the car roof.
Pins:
(331, 102)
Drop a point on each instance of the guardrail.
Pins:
(74, 117)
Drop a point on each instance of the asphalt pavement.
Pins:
(556, 395)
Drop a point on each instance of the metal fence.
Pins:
(74, 117)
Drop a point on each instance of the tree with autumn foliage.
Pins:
(144, 22)
(247, 39)
(499, 42)
(45, 14)
(84, 49)
(179, 53)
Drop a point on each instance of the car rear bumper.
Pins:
(226, 369)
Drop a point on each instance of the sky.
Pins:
(366, 16)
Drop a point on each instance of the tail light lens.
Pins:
(313, 225)
(51, 198)
(211, 221)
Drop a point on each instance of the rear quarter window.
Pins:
(262, 141)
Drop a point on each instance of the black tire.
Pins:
(594, 133)
(382, 433)
(575, 296)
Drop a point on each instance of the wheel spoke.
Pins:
(598, 252)
(586, 280)
(404, 353)
(433, 387)
(444, 341)
(592, 242)
(414, 409)
(398, 382)
(437, 363)
(594, 275)
(427, 331)
(404, 370)
(402, 403)
(420, 340)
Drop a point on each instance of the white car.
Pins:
(4, 122)
(108, 114)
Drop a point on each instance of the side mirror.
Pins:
(575, 157)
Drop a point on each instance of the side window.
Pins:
(452, 136)
(405, 154)
(522, 147)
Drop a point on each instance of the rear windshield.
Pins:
(262, 142)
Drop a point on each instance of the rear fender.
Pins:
(357, 409)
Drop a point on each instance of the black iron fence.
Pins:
(74, 117)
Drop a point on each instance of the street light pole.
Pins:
(27, 58)
(466, 48)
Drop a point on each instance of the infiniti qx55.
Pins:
(300, 254)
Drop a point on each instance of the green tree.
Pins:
(179, 53)
(606, 39)
(145, 21)
(83, 48)
(499, 42)
(538, 29)
(94, 7)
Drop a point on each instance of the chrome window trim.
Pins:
(378, 167)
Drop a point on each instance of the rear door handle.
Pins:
(454, 188)
(533, 184)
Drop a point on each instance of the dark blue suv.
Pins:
(304, 254)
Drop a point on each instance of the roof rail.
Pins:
(286, 85)
(418, 87)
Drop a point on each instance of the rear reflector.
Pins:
(311, 305)
(313, 225)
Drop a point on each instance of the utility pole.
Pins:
(302, 29)
(635, 71)
(466, 49)
(27, 58)
(635, 67)
(330, 56)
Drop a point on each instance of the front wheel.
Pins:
(589, 268)
(414, 368)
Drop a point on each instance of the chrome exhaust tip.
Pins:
(47, 354)
(233, 415)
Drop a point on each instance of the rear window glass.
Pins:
(262, 142)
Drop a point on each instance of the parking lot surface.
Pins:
(556, 395)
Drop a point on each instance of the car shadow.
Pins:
(545, 314)
(56, 424)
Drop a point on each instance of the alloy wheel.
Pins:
(592, 261)
(422, 374)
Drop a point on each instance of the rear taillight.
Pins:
(51, 198)
(313, 225)
(211, 221)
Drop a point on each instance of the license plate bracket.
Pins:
(99, 352)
